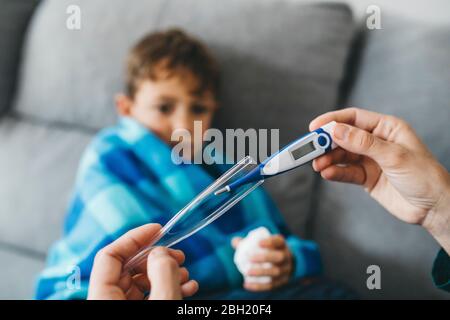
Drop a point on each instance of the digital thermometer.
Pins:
(295, 154)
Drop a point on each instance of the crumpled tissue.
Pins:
(246, 248)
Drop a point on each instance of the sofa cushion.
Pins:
(403, 71)
(282, 64)
(14, 17)
(18, 274)
(38, 167)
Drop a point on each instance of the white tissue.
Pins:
(246, 249)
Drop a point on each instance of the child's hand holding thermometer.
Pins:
(295, 154)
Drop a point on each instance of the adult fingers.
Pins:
(350, 173)
(189, 288)
(178, 255)
(385, 127)
(134, 293)
(109, 261)
(386, 154)
(363, 119)
(164, 274)
(141, 282)
(337, 156)
(184, 275)
(132, 241)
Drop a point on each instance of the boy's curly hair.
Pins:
(176, 49)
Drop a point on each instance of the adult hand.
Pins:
(384, 155)
(162, 272)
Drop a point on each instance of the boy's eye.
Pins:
(199, 109)
(165, 108)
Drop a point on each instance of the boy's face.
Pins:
(169, 103)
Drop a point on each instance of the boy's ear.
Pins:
(123, 104)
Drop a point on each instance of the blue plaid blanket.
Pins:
(127, 178)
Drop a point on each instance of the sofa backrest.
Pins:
(14, 18)
(282, 64)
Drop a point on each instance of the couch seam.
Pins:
(52, 124)
(22, 251)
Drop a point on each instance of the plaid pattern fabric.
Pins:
(126, 179)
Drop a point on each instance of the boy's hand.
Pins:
(279, 255)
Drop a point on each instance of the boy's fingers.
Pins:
(280, 281)
(235, 242)
(255, 287)
(274, 256)
(252, 286)
(273, 242)
(274, 271)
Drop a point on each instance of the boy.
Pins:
(127, 178)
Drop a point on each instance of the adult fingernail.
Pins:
(340, 131)
(158, 251)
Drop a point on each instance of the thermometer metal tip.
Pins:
(222, 190)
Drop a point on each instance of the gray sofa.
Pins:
(284, 62)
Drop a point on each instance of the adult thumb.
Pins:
(362, 142)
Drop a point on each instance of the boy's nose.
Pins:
(183, 123)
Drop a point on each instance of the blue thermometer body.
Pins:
(295, 154)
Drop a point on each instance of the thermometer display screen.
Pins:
(303, 150)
